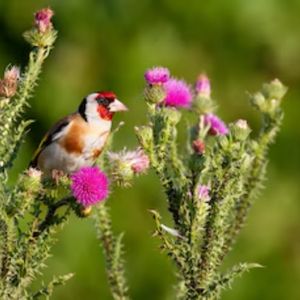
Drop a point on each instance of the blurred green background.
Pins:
(108, 44)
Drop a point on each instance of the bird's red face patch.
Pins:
(104, 113)
(104, 99)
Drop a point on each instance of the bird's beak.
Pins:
(117, 105)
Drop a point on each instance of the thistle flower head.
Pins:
(178, 93)
(202, 86)
(203, 193)
(127, 163)
(34, 173)
(216, 125)
(137, 160)
(89, 186)
(157, 75)
(32, 179)
(43, 19)
(9, 84)
(140, 162)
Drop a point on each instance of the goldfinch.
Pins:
(78, 139)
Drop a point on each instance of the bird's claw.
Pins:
(56, 175)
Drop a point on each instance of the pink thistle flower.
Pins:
(9, 84)
(89, 186)
(43, 19)
(203, 193)
(157, 75)
(136, 160)
(202, 86)
(140, 163)
(178, 93)
(217, 126)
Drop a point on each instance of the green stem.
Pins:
(112, 249)
(50, 217)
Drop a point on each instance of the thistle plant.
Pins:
(36, 207)
(211, 186)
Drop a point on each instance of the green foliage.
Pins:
(35, 207)
(26, 233)
(242, 205)
(233, 166)
(113, 251)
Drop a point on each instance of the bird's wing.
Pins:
(52, 135)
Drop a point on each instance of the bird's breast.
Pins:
(85, 138)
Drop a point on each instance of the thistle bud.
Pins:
(154, 93)
(202, 86)
(173, 115)
(258, 100)
(269, 100)
(240, 130)
(9, 84)
(42, 19)
(32, 180)
(199, 146)
(43, 34)
(274, 90)
(125, 164)
(203, 104)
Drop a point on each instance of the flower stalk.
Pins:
(113, 252)
(210, 191)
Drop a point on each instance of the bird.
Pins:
(78, 139)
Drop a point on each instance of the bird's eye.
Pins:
(103, 101)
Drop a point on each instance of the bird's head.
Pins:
(101, 105)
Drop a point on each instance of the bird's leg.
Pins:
(56, 175)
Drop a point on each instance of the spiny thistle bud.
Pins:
(172, 115)
(258, 100)
(203, 193)
(154, 93)
(9, 84)
(202, 86)
(125, 164)
(32, 179)
(274, 90)
(240, 129)
(203, 103)
(199, 146)
(43, 35)
(42, 19)
(269, 100)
